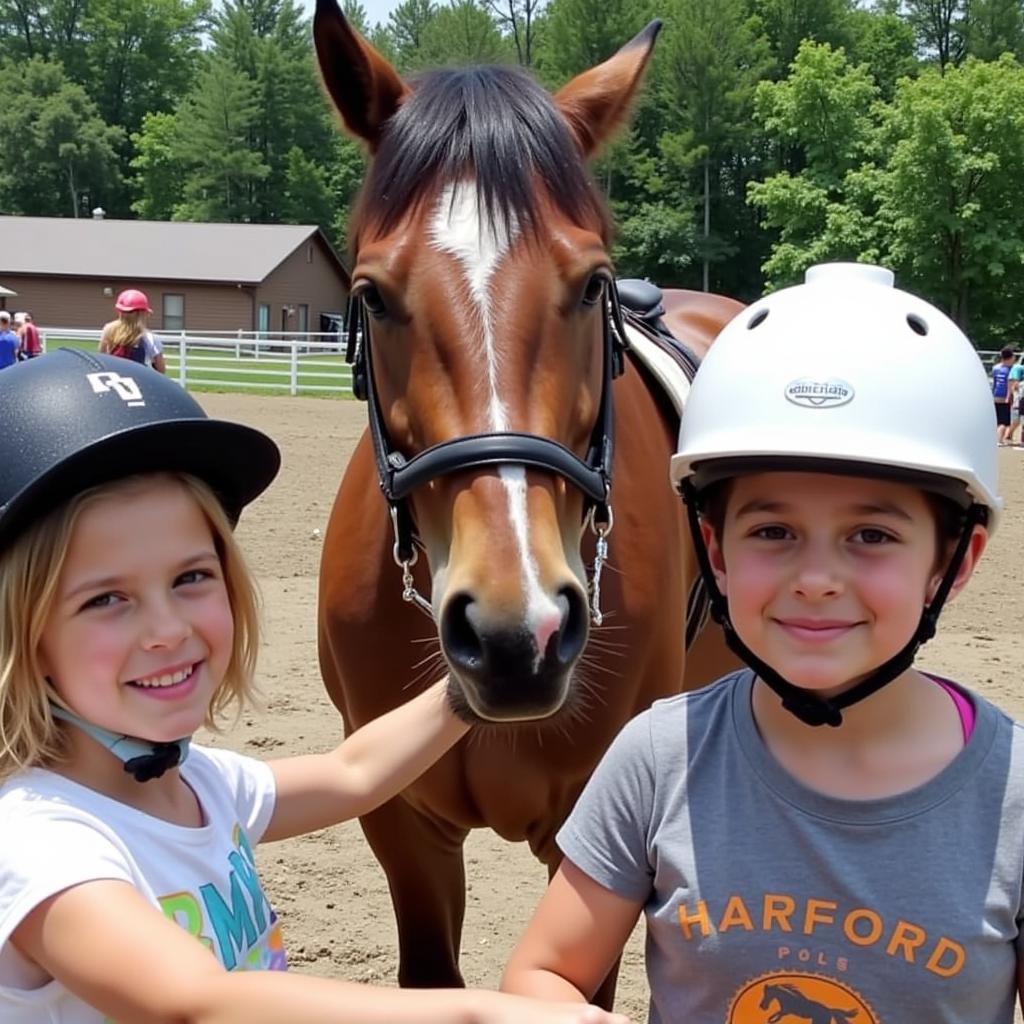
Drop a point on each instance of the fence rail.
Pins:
(299, 363)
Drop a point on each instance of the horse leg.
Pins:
(422, 858)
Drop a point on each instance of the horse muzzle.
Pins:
(505, 671)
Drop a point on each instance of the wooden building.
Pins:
(198, 277)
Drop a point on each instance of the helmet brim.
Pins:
(236, 461)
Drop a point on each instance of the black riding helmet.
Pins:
(72, 420)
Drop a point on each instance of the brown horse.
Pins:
(489, 350)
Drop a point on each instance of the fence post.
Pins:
(182, 368)
(295, 366)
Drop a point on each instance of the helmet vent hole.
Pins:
(917, 325)
(757, 319)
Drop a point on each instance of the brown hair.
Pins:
(29, 575)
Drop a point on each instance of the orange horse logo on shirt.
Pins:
(793, 998)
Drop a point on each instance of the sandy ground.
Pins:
(328, 890)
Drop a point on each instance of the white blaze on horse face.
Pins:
(461, 228)
(479, 245)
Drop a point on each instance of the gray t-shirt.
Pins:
(768, 902)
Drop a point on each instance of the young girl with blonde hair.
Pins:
(127, 336)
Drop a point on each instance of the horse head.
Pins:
(480, 262)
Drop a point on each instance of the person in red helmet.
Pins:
(127, 336)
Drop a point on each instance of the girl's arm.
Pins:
(367, 769)
(577, 933)
(118, 953)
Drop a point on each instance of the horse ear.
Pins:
(365, 88)
(597, 101)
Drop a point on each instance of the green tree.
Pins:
(307, 194)
(826, 110)
(267, 42)
(140, 55)
(941, 28)
(709, 65)
(518, 20)
(216, 122)
(404, 32)
(345, 173)
(579, 34)
(885, 43)
(953, 191)
(996, 27)
(461, 33)
(157, 178)
(787, 23)
(65, 152)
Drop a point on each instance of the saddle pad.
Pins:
(665, 370)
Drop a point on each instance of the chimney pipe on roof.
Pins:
(99, 213)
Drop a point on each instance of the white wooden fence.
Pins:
(299, 363)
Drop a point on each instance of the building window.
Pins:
(303, 325)
(263, 318)
(174, 312)
(309, 252)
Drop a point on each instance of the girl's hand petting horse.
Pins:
(499, 1008)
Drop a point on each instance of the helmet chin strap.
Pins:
(808, 706)
(142, 759)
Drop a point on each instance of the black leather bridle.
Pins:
(400, 476)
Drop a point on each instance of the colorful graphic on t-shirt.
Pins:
(238, 925)
(794, 998)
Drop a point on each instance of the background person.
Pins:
(1001, 393)
(128, 886)
(28, 335)
(786, 830)
(127, 336)
(9, 342)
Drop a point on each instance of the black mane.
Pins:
(494, 121)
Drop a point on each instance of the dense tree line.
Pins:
(771, 133)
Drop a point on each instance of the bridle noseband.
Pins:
(400, 476)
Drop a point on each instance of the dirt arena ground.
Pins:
(328, 890)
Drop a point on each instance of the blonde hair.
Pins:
(29, 574)
(126, 332)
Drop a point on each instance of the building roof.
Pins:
(148, 249)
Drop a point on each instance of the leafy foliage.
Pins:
(771, 134)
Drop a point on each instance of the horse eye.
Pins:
(374, 303)
(594, 290)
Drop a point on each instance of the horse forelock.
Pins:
(493, 124)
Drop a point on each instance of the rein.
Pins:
(400, 476)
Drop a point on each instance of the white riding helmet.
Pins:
(845, 369)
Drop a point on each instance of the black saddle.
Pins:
(642, 306)
(642, 298)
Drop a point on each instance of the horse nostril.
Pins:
(572, 637)
(459, 638)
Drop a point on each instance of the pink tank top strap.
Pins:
(965, 709)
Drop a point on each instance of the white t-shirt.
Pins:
(55, 833)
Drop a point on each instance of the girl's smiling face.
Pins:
(140, 632)
(826, 576)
